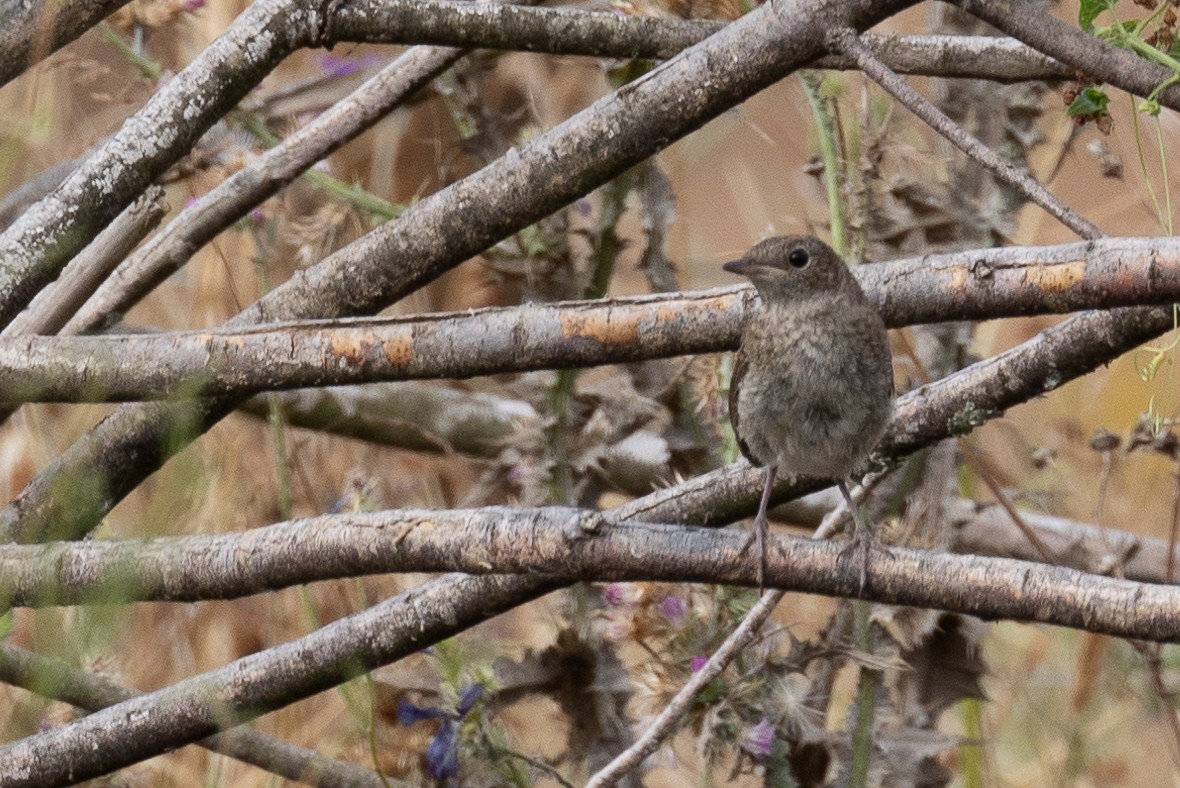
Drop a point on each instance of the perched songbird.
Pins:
(813, 381)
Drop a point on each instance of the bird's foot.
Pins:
(757, 537)
(864, 543)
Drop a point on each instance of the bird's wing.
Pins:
(740, 365)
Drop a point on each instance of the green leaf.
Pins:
(1091, 101)
(1089, 11)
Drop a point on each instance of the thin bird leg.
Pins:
(862, 539)
(762, 525)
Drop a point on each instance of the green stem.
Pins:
(345, 192)
(866, 698)
(148, 67)
(825, 128)
(971, 755)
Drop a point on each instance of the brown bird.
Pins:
(812, 382)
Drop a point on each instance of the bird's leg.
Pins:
(761, 527)
(862, 537)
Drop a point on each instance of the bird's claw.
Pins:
(757, 536)
(865, 544)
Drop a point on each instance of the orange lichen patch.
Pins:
(960, 278)
(606, 330)
(398, 351)
(351, 346)
(1057, 277)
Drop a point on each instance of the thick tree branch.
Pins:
(431, 418)
(29, 31)
(234, 197)
(570, 31)
(571, 544)
(1005, 282)
(441, 231)
(452, 345)
(156, 722)
(36, 246)
(55, 679)
(987, 529)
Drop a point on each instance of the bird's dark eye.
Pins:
(799, 258)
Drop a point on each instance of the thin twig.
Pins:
(668, 719)
(980, 463)
(847, 41)
(58, 302)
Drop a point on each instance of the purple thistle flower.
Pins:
(697, 663)
(759, 739)
(615, 595)
(672, 608)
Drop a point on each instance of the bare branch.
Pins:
(570, 544)
(430, 418)
(413, 415)
(451, 345)
(234, 197)
(1068, 44)
(58, 302)
(543, 336)
(847, 41)
(31, 30)
(38, 244)
(55, 679)
(570, 31)
(986, 529)
(156, 722)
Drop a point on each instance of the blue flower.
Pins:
(442, 755)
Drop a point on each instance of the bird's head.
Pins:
(793, 267)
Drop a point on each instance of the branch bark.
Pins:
(52, 678)
(234, 197)
(570, 544)
(155, 722)
(29, 31)
(570, 31)
(57, 303)
(976, 285)
(36, 246)
(1068, 44)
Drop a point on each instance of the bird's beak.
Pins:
(742, 267)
